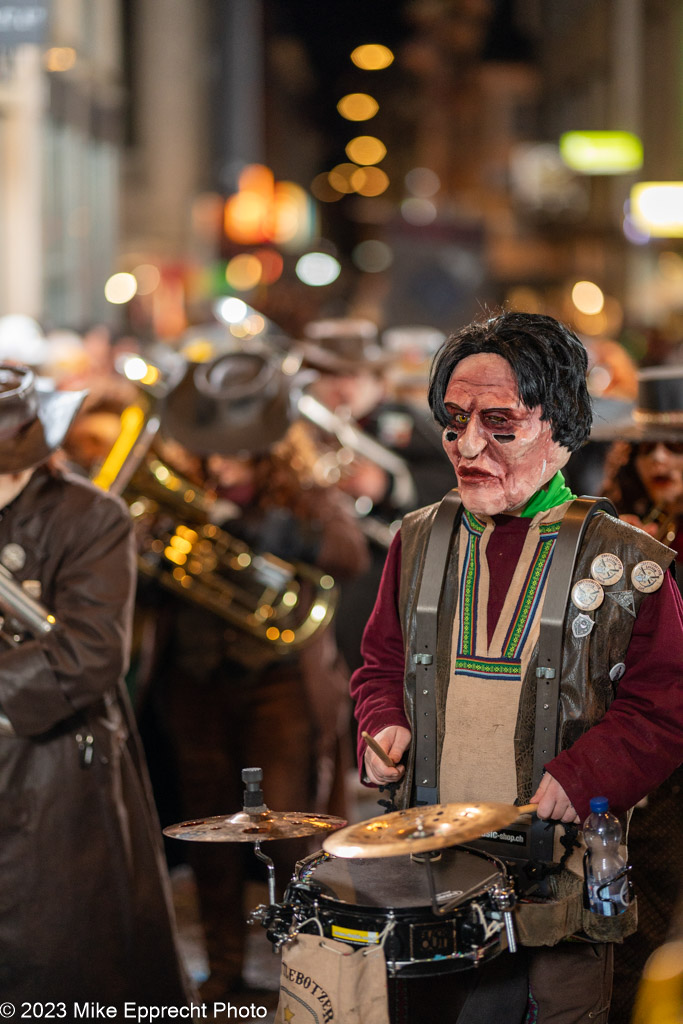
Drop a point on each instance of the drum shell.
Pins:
(355, 900)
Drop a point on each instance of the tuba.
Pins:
(276, 606)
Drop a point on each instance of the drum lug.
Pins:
(504, 899)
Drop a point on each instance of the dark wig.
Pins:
(547, 359)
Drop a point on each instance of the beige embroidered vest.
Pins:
(478, 753)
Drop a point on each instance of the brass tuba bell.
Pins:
(277, 606)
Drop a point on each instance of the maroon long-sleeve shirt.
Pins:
(635, 746)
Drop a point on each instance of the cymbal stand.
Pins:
(270, 867)
(254, 803)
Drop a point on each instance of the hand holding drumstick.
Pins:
(383, 753)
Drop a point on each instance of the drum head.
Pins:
(402, 882)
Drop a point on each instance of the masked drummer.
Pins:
(85, 910)
(510, 395)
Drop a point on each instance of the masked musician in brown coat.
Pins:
(85, 912)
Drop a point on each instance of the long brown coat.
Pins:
(85, 912)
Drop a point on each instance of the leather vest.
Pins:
(587, 687)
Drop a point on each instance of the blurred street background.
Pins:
(477, 152)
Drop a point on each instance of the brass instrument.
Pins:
(21, 614)
(349, 442)
(666, 520)
(21, 610)
(352, 441)
(276, 606)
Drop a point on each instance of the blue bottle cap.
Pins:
(599, 804)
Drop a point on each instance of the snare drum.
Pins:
(369, 900)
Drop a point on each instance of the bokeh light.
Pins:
(120, 288)
(657, 208)
(372, 256)
(245, 218)
(243, 271)
(366, 149)
(588, 297)
(369, 181)
(358, 106)
(272, 265)
(323, 190)
(148, 278)
(340, 177)
(318, 269)
(231, 310)
(372, 56)
(60, 58)
(418, 211)
(601, 152)
(422, 182)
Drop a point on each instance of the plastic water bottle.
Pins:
(605, 868)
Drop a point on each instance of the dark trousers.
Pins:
(570, 983)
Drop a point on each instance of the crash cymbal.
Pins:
(251, 828)
(419, 829)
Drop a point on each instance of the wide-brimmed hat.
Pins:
(343, 345)
(34, 418)
(657, 414)
(238, 403)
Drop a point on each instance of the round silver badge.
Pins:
(607, 569)
(587, 595)
(13, 557)
(647, 577)
(617, 671)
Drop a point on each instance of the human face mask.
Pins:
(501, 451)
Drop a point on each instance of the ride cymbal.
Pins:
(420, 829)
(251, 828)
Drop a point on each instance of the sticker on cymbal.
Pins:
(647, 577)
(587, 595)
(582, 625)
(607, 569)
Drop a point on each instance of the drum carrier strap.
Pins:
(534, 842)
(427, 614)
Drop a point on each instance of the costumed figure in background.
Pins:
(353, 380)
(510, 395)
(228, 702)
(645, 482)
(86, 911)
(612, 385)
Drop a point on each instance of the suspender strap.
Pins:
(424, 656)
(548, 672)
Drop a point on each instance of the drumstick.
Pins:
(527, 808)
(375, 747)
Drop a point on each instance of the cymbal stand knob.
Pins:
(254, 802)
(270, 867)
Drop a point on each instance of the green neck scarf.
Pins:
(554, 493)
